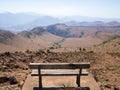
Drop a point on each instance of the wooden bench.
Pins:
(59, 69)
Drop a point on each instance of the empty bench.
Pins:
(59, 69)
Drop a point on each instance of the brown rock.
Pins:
(3, 79)
(13, 80)
(108, 86)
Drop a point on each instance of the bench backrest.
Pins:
(59, 65)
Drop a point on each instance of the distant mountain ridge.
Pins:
(24, 21)
(94, 23)
(18, 22)
(12, 19)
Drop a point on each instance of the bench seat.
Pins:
(58, 72)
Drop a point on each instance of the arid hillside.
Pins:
(104, 58)
(58, 36)
(35, 39)
(80, 31)
(108, 46)
(107, 69)
(5, 36)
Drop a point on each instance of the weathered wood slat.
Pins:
(59, 72)
(59, 65)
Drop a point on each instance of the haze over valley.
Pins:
(17, 22)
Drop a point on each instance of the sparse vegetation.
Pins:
(101, 67)
(96, 79)
(7, 53)
(82, 49)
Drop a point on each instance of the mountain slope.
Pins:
(109, 46)
(80, 42)
(59, 35)
(5, 35)
(35, 39)
(80, 31)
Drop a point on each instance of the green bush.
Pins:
(3, 68)
(96, 79)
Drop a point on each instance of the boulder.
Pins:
(3, 79)
(13, 80)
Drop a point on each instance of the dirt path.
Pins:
(60, 81)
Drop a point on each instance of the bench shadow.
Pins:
(61, 88)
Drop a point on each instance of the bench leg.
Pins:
(40, 78)
(40, 82)
(78, 78)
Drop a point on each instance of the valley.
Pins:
(65, 36)
(60, 43)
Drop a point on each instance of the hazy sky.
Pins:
(94, 8)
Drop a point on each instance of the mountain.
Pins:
(8, 19)
(34, 39)
(25, 21)
(18, 22)
(5, 36)
(80, 31)
(83, 36)
(45, 21)
(94, 23)
(41, 21)
(32, 33)
(57, 35)
(59, 29)
(87, 19)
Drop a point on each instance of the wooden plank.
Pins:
(58, 72)
(59, 65)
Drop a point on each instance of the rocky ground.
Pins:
(105, 66)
